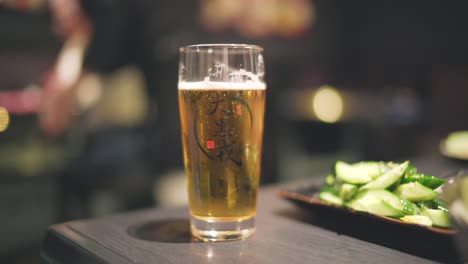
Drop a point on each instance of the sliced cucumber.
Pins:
(330, 180)
(410, 208)
(387, 166)
(350, 174)
(371, 168)
(434, 204)
(330, 198)
(415, 192)
(347, 191)
(330, 189)
(426, 180)
(383, 195)
(411, 170)
(357, 205)
(440, 204)
(417, 219)
(388, 189)
(387, 179)
(439, 218)
(380, 207)
(374, 206)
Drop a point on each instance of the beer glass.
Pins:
(222, 105)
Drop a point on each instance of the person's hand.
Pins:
(57, 106)
(58, 88)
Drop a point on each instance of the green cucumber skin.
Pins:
(439, 218)
(330, 189)
(410, 208)
(415, 192)
(347, 191)
(440, 204)
(411, 170)
(428, 181)
(436, 203)
(330, 180)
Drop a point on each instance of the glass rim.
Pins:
(205, 47)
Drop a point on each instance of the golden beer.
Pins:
(222, 128)
(222, 105)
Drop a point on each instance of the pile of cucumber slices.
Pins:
(389, 189)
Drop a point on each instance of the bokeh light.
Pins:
(327, 104)
(4, 119)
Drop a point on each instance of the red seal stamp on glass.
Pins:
(210, 144)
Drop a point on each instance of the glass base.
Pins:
(213, 230)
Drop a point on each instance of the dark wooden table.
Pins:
(285, 234)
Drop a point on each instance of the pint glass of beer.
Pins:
(222, 105)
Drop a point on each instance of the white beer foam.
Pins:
(209, 85)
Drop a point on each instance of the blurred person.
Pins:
(60, 83)
(103, 37)
(144, 33)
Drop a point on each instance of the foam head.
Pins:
(210, 85)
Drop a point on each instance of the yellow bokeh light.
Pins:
(327, 104)
(4, 119)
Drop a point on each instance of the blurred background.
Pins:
(89, 120)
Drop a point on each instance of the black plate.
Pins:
(428, 242)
